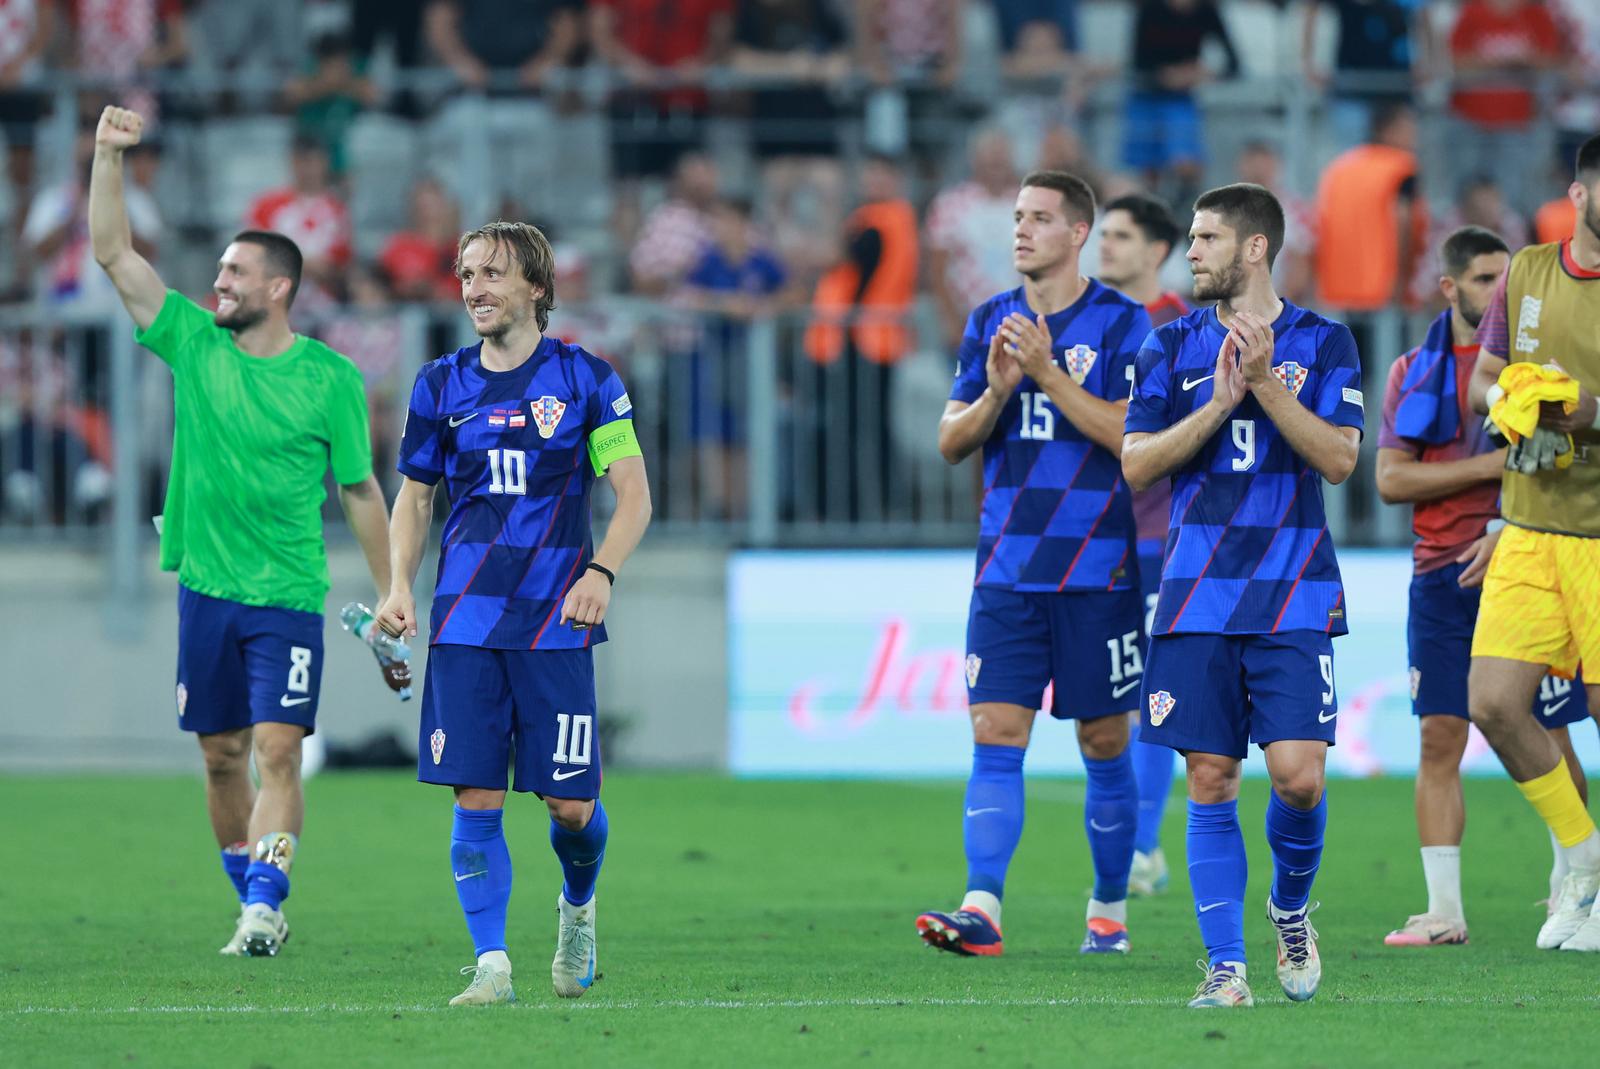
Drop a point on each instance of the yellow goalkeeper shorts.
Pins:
(1541, 601)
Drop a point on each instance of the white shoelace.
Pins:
(577, 944)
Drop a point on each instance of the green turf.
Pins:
(749, 924)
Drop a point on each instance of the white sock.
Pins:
(1111, 911)
(1558, 867)
(495, 959)
(1586, 855)
(1441, 867)
(984, 901)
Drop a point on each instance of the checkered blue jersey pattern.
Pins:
(513, 450)
(1057, 514)
(1248, 550)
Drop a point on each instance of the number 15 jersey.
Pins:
(519, 451)
(1248, 550)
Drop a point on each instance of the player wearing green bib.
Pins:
(261, 414)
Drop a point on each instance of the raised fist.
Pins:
(119, 128)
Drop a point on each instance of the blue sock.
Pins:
(993, 823)
(581, 853)
(1110, 814)
(265, 884)
(236, 864)
(1295, 836)
(1218, 872)
(482, 867)
(1153, 767)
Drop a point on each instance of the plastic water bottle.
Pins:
(393, 655)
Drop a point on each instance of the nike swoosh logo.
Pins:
(1189, 384)
(1553, 707)
(287, 701)
(469, 875)
(990, 809)
(1097, 827)
(1208, 909)
(559, 776)
(1118, 692)
(458, 422)
(1326, 718)
(1307, 872)
(585, 864)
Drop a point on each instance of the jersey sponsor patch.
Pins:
(622, 405)
(1293, 376)
(1079, 361)
(547, 413)
(1354, 397)
(974, 666)
(1161, 706)
(436, 744)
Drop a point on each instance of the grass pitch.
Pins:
(747, 924)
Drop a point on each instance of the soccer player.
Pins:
(1247, 405)
(1434, 453)
(261, 414)
(519, 426)
(1041, 387)
(1137, 234)
(1537, 614)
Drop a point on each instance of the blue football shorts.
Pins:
(240, 665)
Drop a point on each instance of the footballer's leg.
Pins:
(1153, 765)
(1109, 818)
(578, 830)
(1441, 821)
(481, 864)
(1007, 669)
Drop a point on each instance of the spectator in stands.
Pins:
(56, 236)
(1376, 60)
(263, 41)
(673, 235)
(859, 331)
(312, 213)
(367, 329)
(120, 40)
(1479, 202)
(659, 51)
(1038, 38)
(735, 281)
(400, 23)
(582, 320)
(966, 265)
(1556, 217)
(500, 130)
(26, 27)
(328, 97)
(1163, 133)
(1577, 110)
(797, 49)
(911, 50)
(1259, 162)
(1371, 220)
(1497, 48)
(419, 262)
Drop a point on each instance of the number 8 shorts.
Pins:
(240, 665)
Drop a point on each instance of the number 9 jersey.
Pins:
(519, 451)
(1248, 550)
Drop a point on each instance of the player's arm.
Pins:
(408, 536)
(1099, 420)
(141, 289)
(966, 426)
(1485, 375)
(1150, 456)
(590, 596)
(1331, 450)
(364, 511)
(1403, 478)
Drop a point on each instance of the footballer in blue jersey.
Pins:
(1246, 406)
(1042, 382)
(518, 427)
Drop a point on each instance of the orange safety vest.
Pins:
(879, 329)
(1555, 221)
(1358, 235)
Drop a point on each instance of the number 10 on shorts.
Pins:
(573, 737)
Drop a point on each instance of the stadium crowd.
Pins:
(731, 159)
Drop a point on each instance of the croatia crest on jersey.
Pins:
(547, 413)
(1079, 361)
(1161, 706)
(1292, 375)
(974, 665)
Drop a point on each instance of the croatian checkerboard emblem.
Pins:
(183, 699)
(1416, 682)
(547, 413)
(1079, 361)
(974, 664)
(1292, 375)
(436, 744)
(1161, 705)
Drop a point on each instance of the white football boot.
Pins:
(576, 963)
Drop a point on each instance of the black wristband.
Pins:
(611, 576)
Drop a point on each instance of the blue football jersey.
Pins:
(518, 451)
(1248, 550)
(1057, 514)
